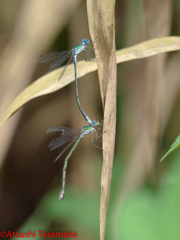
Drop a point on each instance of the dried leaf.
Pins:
(149, 48)
(102, 24)
(49, 83)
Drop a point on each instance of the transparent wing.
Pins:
(51, 56)
(64, 69)
(65, 149)
(59, 62)
(64, 130)
(67, 135)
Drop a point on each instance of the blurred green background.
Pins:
(145, 195)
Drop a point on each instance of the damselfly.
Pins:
(74, 134)
(62, 57)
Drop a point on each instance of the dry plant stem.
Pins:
(108, 145)
(102, 25)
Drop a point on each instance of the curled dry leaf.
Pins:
(102, 25)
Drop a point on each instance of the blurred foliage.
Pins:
(153, 214)
(150, 212)
(82, 214)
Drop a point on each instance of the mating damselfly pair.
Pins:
(68, 134)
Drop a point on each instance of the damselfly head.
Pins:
(95, 123)
(85, 41)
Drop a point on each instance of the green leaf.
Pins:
(175, 145)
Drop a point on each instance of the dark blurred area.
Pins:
(29, 179)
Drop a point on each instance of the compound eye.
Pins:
(85, 40)
(95, 123)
